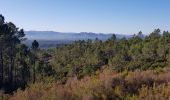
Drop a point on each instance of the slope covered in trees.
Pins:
(85, 57)
(113, 69)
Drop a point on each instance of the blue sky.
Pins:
(104, 16)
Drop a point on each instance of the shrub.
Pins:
(139, 85)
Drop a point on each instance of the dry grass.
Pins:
(146, 85)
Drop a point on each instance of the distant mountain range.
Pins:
(50, 39)
(51, 35)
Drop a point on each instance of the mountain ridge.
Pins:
(52, 35)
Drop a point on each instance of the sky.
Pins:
(101, 16)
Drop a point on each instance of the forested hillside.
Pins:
(116, 69)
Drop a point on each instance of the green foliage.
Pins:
(18, 63)
(137, 66)
(137, 53)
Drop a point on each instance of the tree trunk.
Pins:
(34, 75)
(34, 71)
(11, 64)
(1, 66)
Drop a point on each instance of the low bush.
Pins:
(145, 85)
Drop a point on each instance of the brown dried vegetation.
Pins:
(145, 85)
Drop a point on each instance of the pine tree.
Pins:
(35, 46)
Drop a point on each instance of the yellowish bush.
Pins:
(146, 85)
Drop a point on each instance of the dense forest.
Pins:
(116, 69)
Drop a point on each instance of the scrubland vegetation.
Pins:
(107, 84)
(117, 69)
